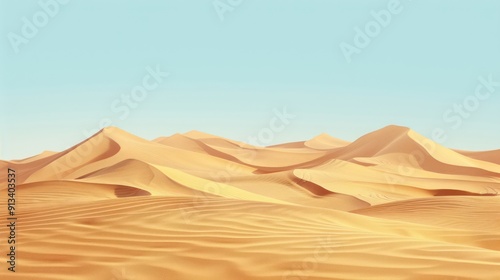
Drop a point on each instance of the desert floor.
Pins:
(390, 205)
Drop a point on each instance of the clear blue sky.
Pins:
(227, 76)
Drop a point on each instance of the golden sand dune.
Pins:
(390, 205)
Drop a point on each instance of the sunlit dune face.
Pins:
(390, 205)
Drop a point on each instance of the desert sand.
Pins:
(390, 205)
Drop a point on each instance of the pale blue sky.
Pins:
(228, 76)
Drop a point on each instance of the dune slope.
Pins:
(390, 205)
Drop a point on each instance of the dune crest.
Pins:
(389, 205)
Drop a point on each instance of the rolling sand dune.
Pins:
(390, 205)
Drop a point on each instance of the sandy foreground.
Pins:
(390, 205)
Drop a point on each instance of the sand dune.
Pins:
(390, 205)
(489, 156)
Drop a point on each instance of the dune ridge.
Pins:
(389, 205)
